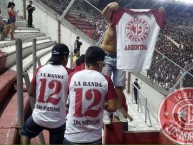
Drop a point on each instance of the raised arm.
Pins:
(106, 12)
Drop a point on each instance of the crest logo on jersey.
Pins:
(176, 116)
(137, 29)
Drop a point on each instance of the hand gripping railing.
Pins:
(139, 105)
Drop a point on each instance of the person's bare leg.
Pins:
(120, 94)
(126, 114)
(5, 32)
(12, 30)
(25, 139)
(119, 114)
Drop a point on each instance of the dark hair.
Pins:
(10, 4)
(80, 60)
(30, 1)
(76, 50)
(93, 55)
(59, 51)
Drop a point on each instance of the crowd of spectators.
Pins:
(99, 25)
(57, 5)
(174, 43)
(95, 25)
(82, 15)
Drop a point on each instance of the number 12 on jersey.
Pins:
(92, 110)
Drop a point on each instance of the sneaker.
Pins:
(106, 118)
(119, 115)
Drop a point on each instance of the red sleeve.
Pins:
(33, 81)
(116, 16)
(79, 68)
(69, 71)
(69, 79)
(82, 66)
(111, 94)
(159, 16)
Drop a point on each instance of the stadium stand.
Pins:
(173, 45)
(174, 41)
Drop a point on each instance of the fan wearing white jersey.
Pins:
(49, 86)
(90, 93)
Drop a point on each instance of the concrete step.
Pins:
(19, 17)
(43, 54)
(138, 123)
(44, 59)
(21, 23)
(9, 120)
(9, 43)
(28, 36)
(8, 78)
(9, 57)
(9, 129)
(28, 29)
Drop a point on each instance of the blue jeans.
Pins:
(95, 142)
(31, 130)
(111, 68)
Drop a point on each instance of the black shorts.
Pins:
(32, 129)
(11, 20)
(1, 28)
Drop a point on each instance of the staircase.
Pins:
(8, 98)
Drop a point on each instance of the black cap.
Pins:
(58, 51)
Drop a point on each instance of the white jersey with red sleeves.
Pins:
(51, 94)
(88, 91)
(137, 31)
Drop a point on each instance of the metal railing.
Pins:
(140, 105)
(21, 74)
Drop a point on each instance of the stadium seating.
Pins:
(173, 45)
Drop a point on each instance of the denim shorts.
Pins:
(95, 142)
(31, 130)
(1, 28)
(11, 20)
(110, 69)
